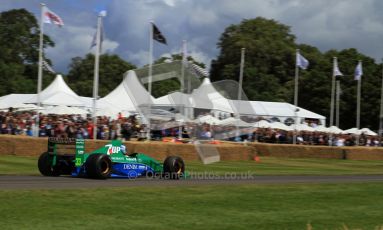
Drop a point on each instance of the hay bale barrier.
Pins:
(298, 151)
(22, 145)
(32, 146)
(364, 153)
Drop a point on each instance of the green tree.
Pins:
(270, 69)
(81, 74)
(269, 62)
(370, 91)
(19, 45)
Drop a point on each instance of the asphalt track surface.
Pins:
(66, 182)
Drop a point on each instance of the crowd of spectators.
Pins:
(125, 128)
(71, 126)
(268, 135)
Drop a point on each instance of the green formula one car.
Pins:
(108, 161)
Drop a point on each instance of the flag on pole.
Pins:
(94, 40)
(157, 35)
(302, 61)
(358, 71)
(51, 17)
(47, 67)
(336, 71)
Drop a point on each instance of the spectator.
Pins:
(126, 131)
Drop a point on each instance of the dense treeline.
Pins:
(268, 75)
(270, 69)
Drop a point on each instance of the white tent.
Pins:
(77, 110)
(207, 97)
(368, 131)
(304, 113)
(264, 108)
(60, 110)
(209, 119)
(322, 129)
(235, 122)
(57, 93)
(19, 106)
(274, 109)
(111, 112)
(119, 99)
(4, 105)
(24, 107)
(11, 100)
(129, 95)
(356, 131)
(351, 131)
(175, 98)
(262, 124)
(245, 107)
(281, 126)
(304, 127)
(335, 130)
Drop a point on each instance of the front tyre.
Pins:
(98, 166)
(45, 165)
(174, 167)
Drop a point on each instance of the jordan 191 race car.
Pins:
(108, 161)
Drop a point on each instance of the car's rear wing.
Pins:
(67, 147)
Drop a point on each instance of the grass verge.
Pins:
(291, 166)
(16, 165)
(324, 206)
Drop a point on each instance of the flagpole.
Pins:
(183, 66)
(96, 77)
(332, 94)
(183, 83)
(381, 110)
(296, 100)
(337, 103)
(358, 105)
(241, 75)
(239, 96)
(40, 67)
(148, 136)
(332, 98)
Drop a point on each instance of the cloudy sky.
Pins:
(326, 24)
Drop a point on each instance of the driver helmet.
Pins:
(123, 149)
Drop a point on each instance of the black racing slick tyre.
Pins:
(98, 166)
(45, 165)
(174, 167)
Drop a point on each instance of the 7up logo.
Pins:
(112, 149)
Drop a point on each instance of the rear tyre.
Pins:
(45, 165)
(98, 166)
(174, 167)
